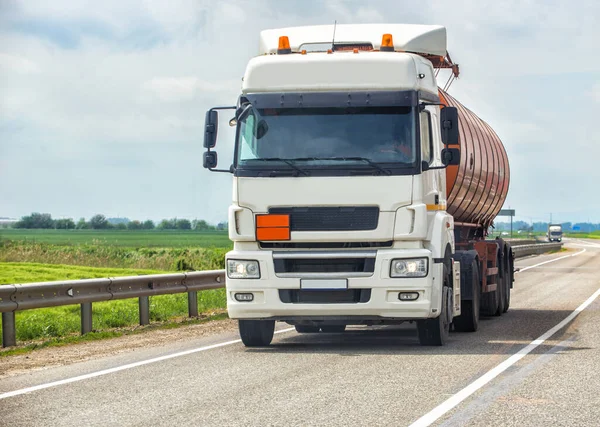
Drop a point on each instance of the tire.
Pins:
(468, 321)
(333, 329)
(256, 333)
(434, 332)
(306, 329)
(490, 302)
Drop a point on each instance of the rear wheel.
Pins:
(468, 321)
(435, 331)
(333, 329)
(256, 333)
(490, 301)
(306, 329)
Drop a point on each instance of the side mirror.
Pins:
(210, 160)
(211, 123)
(450, 156)
(449, 125)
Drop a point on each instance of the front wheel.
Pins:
(435, 331)
(256, 333)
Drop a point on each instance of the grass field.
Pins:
(120, 238)
(106, 256)
(64, 321)
(47, 255)
(25, 272)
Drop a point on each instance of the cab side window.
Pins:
(426, 140)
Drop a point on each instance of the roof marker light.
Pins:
(387, 43)
(284, 45)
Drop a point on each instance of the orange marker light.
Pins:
(271, 227)
(272, 221)
(278, 233)
(284, 45)
(387, 43)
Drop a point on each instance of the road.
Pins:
(366, 376)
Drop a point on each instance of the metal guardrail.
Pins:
(535, 249)
(85, 292)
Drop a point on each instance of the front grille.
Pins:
(344, 218)
(325, 245)
(320, 265)
(348, 296)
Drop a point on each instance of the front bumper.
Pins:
(383, 301)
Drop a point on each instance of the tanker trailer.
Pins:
(362, 193)
(476, 189)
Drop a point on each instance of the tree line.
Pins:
(100, 222)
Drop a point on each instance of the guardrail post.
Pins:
(144, 310)
(193, 303)
(86, 318)
(9, 332)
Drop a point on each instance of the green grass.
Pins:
(25, 272)
(120, 238)
(592, 235)
(64, 321)
(167, 259)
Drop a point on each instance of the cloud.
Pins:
(595, 92)
(17, 64)
(172, 89)
(107, 115)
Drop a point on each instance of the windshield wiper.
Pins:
(289, 162)
(359, 159)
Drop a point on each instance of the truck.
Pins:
(362, 191)
(555, 232)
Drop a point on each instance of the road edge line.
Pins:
(31, 389)
(549, 261)
(450, 403)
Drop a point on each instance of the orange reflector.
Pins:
(274, 233)
(272, 221)
(284, 45)
(303, 52)
(387, 43)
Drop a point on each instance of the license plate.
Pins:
(324, 284)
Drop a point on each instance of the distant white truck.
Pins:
(555, 233)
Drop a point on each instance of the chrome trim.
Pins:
(323, 254)
(341, 275)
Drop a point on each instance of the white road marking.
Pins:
(446, 406)
(123, 367)
(549, 261)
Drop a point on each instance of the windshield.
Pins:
(305, 137)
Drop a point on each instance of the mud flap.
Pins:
(456, 288)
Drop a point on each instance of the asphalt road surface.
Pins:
(501, 375)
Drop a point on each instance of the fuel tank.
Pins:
(477, 187)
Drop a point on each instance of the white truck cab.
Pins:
(339, 213)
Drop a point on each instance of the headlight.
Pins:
(241, 269)
(415, 267)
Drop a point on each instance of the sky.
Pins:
(102, 103)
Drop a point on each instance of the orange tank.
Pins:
(478, 186)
